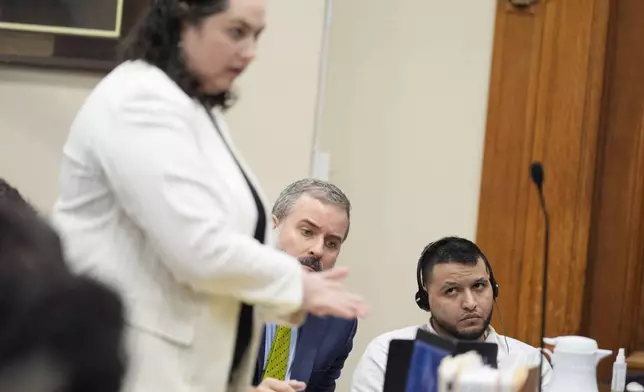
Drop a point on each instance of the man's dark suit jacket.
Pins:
(322, 347)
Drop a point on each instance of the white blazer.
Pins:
(152, 202)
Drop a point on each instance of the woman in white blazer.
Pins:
(156, 201)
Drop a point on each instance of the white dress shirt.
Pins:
(152, 202)
(369, 375)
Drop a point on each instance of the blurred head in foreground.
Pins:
(58, 332)
(9, 194)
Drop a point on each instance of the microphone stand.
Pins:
(537, 175)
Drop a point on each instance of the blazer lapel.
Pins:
(259, 368)
(311, 336)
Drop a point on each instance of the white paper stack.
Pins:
(468, 373)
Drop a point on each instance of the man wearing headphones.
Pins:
(456, 286)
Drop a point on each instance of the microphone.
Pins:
(536, 173)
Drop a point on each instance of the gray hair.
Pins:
(318, 189)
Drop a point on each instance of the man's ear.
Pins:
(276, 222)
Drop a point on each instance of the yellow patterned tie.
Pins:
(278, 356)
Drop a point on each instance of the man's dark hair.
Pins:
(450, 250)
(156, 39)
(58, 330)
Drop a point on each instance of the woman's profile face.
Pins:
(219, 49)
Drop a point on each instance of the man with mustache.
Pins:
(311, 222)
(458, 289)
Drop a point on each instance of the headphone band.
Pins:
(421, 294)
(420, 280)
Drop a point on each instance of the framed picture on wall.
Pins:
(76, 34)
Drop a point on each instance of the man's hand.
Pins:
(273, 385)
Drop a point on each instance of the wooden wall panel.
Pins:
(613, 314)
(508, 141)
(637, 341)
(544, 104)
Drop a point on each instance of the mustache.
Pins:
(470, 316)
(311, 262)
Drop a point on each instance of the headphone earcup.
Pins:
(421, 300)
(495, 286)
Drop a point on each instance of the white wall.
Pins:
(272, 123)
(274, 119)
(36, 109)
(404, 123)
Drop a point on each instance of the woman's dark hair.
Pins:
(156, 40)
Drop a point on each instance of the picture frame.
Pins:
(70, 34)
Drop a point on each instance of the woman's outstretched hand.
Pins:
(325, 295)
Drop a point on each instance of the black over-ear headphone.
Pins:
(421, 295)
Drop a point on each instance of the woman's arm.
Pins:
(157, 171)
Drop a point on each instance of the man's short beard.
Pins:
(453, 332)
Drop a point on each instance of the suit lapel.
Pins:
(311, 336)
(259, 368)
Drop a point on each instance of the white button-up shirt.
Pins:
(369, 375)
